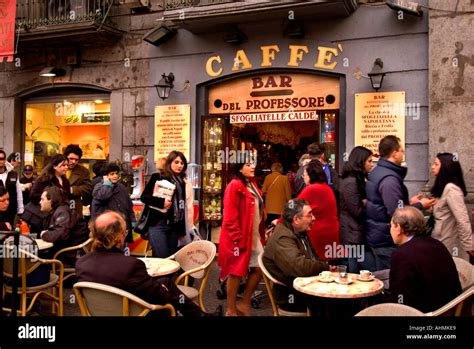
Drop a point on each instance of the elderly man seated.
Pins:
(422, 272)
(288, 254)
(107, 264)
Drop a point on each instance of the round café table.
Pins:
(357, 289)
(160, 266)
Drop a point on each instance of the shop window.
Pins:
(51, 126)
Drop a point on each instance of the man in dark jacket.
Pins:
(62, 225)
(78, 176)
(9, 180)
(108, 265)
(385, 193)
(112, 195)
(422, 272)
(288, 254)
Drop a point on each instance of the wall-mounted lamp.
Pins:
(159, 35)
(411, 8)
(235, 36)
(294, 29)
(377, 74)
(166, 84)
(52, 72)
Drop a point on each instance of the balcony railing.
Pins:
(176, 4)
(32, 14)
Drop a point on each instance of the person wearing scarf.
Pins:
(166, 228)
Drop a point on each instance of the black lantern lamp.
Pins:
(165, 85)
(377, 74)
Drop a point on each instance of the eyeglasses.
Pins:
(73, 159)
(2, 159)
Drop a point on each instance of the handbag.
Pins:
(142, 223)
(33, 216)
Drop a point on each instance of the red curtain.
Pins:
(7, 29)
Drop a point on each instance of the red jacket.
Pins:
(325, 230)
(235, 241)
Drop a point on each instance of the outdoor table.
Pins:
(357, 289)
(160, 266)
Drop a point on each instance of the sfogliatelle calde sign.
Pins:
(275, 97)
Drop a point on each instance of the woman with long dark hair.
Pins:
(452, 224)
(169, 219)
(241, 238)
(352, 204)
(54, 174)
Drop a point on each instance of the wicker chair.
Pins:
(465, 271)
(71, 271)
(195, 259)
(461, 303)
(27, 263)
(390, 309)
(269, 282)
(96, 299)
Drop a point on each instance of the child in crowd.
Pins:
(112, 195)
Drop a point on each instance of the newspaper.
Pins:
(163, 189)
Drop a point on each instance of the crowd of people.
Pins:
(314, 212)
(365, 208)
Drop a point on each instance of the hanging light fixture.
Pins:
(166, 84)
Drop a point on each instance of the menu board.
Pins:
(172, 129)
(378, 115)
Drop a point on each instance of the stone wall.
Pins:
(451, 79)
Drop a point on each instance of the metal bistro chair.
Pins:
(459, 306)
(71, 271)
(465, 271)
(29, 262)
(195, 259)
(269, 282)
(96, 299)
(390, 309)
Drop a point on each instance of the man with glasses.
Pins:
(79, 178)
(288, 254)
(385, 193)
(9, 181)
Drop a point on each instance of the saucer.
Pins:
(330, 279)
(346, 282)
(366, 280)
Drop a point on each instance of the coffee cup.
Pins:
(365, 274)
(325, 275)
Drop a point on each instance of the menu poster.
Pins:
(172, 129)
(377, 115)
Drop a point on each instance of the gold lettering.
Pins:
(326, 55)
(241, 58)
(296, 54)
(268, 53)
(209, 70)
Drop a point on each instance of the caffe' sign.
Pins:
(284, 93)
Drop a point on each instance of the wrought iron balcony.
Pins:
(40, 13)
(60, 21)
(176, 4)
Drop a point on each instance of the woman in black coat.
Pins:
(352, 210)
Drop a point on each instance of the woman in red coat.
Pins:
(324, 234)
(240, 241)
